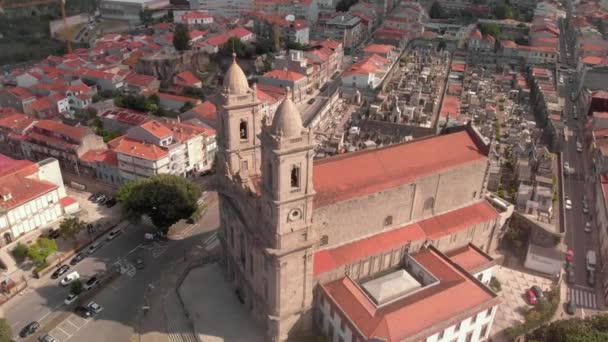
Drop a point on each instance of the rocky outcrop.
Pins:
(164, 67)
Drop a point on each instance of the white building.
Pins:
(129, 10)
(191, 18)
(32, 195)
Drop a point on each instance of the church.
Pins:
(389, 244)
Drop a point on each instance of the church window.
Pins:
(243, 132)
(295, 177)
(244, 165)
(429, 203)
(388, 220)
(324, 240)
(474, 194)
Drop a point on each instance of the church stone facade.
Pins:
(280, 210)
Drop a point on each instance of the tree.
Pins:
(264, 45)
(145, 16)
(491, 29)
(165, 198)
(294, 45)
(76, 287)
(344, 5)
(436, 11)
(503, 11)
(71, 226)
(590, 329)
(39, 251)
(20, 252)
(186, 107)
(6, 333)
(181, 38)
(233, 45)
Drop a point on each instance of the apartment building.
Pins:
(345, 28)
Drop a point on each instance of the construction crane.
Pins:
(277, 29)
(5, 6)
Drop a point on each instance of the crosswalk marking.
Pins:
(211, 242)
(583, 298)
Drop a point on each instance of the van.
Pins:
(591, 260)
(69, 278)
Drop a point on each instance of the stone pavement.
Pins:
(214, 308)
(514, 303)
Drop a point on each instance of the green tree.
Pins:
(146, 17)
(76, 287)
(20, 252)
(70, 227)
(294, 45)
(590, 329)
(165, 198)
(181, 38)
(436, 11)
(491, 29)
(503, 11)
(186, 107)
(233, 45)
(344, 5)
(6, 333)
(264, 45)
(39, 251)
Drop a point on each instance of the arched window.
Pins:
(388, 220)
(429, 203)
(243, 132)
(295, 177)
(324, 240)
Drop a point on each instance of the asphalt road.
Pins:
(123, 298)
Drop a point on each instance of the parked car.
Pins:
(53, 234)
(91, 283)
(94, 196)
(571, 307)
(47, 338)
(568, 204)
(60, 271)
(69, 278)
(571, 277)
(588, 227)
(591, 278)
(77, 258)
(538, 292)
(94, 308)
(103, 200)
(94, 247)
(83, 311)
(111, 202)
(113, 234)
(139, 263)
(531, 297)
(71, 298)
(29, 329)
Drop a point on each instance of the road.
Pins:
(577, 186)
(123, 298)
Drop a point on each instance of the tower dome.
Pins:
(287, 120)
(235, 81)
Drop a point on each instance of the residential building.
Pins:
(52, 139)
(129, 10)
(119, 120)
(176, 102)
(367, 73)
(138, 83)
(344, 236)
(213, 44)
(14, 127)
(297, 83)
(21, 99)
(346, 29)
(204, 114)
(305, 9)
(192, 18)
(226, 8)
(104, 80)
(187, 79)
(290, 29)
(32, 196)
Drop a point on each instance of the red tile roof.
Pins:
(127, 116)
(421, 312)
(450, 105)
(187, 78)
(206, 110)
(140, 80)
(358, 174)
(157, 129)
(178, 98)
(14, 180)
(284, 75)
(14, 121)
(75, 133)
(20, 93)
(379, 48)
(239, 32)
(137, 149)
(100, 156)
(196, 15)
(67, 201)
(458, 66)
(431, 228)
(42, 104)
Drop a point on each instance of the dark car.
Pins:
(591, 278)
(78, 258)
(53, 234)
(83, 311)
(571, 279)
(29, 329)
(60, 271)
(571, 307)
(91, 283)
(538, 292)
(139, 263)
(111, 202)
(94, 196)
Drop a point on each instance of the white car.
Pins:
(588, 227)
(568, 204)
(94, 307)
(579, 147)
(69, 278)
(71, 298)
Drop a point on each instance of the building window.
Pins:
(474, 194)
(295, 177)
(480, 277)
(243, 132)
(469, 337)
(324, 240)
(474, 318)
(484, 331)
(441, 335)
(388, 220)
(429, 203)
(457, 327)
(244, 165)
(489, 312)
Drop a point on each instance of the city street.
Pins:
(123, 298)
(577, 186)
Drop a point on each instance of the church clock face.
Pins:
(294, 215)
